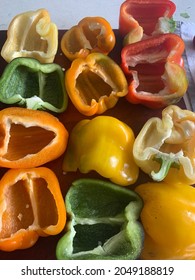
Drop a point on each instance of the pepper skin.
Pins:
(31, 34)
(150, 17)
(95, 84)
(103, 222)
(103, 144)
(168, 218)
(92, 34)
(165, 148)
(155, 71)
(31, 205)
(27, 82)
(30, 138)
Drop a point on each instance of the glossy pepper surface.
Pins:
(148, 17)
(165, 148)
(155, 70)
(31, 205)
(103, 144)
(30, 138)
(168, 218)
(95, 84)
(91, 34)
(31, 34)
(103, 222)
(27, 82)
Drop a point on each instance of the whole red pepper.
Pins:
(144, 13)
(155, 70)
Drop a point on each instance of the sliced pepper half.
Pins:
(155, 71)
(165, 148)
(30, 138)
(91, 34)
(103, 144)
(27, 82)
(95, 84)
(150, 17)
(31, 205)
(31, 34)
(103, 222)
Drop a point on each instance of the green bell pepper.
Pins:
(27, 82)
(103, 222)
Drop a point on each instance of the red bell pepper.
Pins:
(154, 16)
(155, 70)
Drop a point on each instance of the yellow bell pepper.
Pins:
(165, 148)
(95, 84)
(91, 34)
(31, 34)
(103, 144)
(168, 218)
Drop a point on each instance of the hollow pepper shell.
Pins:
(103, 222)
(31, 205)
(31, 34)
(171, 136)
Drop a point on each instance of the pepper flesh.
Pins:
(31, 34)
(103, 222)
(27, 82)
(92, 34)
(30, 138)
(147, 14)
(164, 148)
(155, 71)
(103, 144)
(168, 218)
(95, 84)
(31, 205)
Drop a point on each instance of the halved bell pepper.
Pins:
(95, 84)
(91, 34)
(103, 222)
(31, 205)
(30, 138)
(27, 82)
(168, 219)
(148, 17)
(31, 34)
(155, 70)
(103, 144)
(165, 148)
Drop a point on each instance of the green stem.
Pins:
(166, 162)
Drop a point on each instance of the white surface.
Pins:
(66, 13)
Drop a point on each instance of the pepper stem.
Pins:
(166, 162)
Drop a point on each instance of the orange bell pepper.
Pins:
(92, 34)
(31, 34)
(30, 138)
(31, 205)
(95, 84)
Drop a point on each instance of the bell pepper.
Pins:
(31, 205)
(30, 138)
(165, 148)
(27, 82)
(148, 17)
(103, 222)
(91, 34)
(155, 70)
(103, 144)
(95, 84)
(31, 34)
(168, 219)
